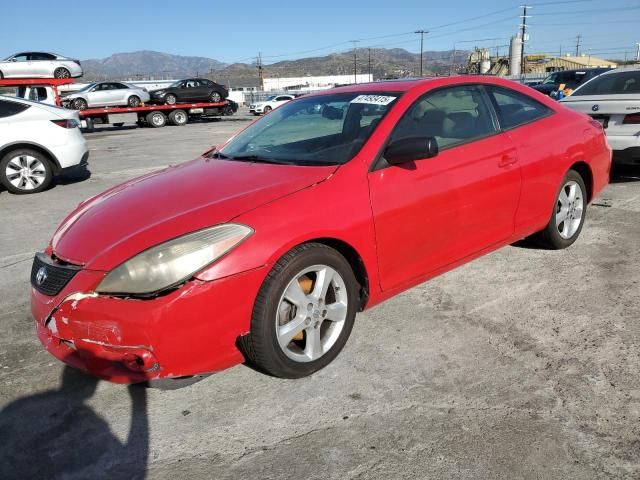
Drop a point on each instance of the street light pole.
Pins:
(638, 53)
(421, 32)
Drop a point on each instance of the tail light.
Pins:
(68, 123)
(632, 119)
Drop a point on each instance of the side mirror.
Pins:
(13, 60)
(410, 149)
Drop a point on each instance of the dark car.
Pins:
(231, 108)
(190, 90)
(570, 78)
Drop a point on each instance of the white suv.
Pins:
(274, 101)
(37, 141)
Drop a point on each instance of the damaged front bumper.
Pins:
(189, 331)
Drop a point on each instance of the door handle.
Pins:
(507, 160)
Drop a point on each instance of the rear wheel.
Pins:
(1, 76)
(79, 104)
(134, 101)
(215, 97)
(156, 119)
(304, 312)
(170, 99)
(568, 215)
(178, 118)
(61, 72)
(25, 171)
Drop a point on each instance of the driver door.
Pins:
(435, 211)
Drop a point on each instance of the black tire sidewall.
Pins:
(60, 69)
(172, 117)
(130, 99)
(551, 234)
(150, 119)
(175, 99)
(270, 357)
(34, 153)
(80, 104)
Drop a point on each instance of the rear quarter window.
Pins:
(9, 109)
(515, 109)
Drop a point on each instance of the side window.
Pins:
(192, 83)
(8, 109)
(119, 86)
(41, 56)
(452, 116)
(280, 99)
(21, 57)
(515, 109)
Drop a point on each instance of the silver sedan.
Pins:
(39, 65)
(107, 94)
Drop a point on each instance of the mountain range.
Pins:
(385, 63)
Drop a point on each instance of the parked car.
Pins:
(107, 94)
(39, 65)
(613, 99)
(570, 78)
(274, 101)
(272, 243)
(190, 90)
(37, 141)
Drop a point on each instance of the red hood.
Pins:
(113, 226)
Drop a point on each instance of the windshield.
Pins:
(87, 87)
(618, 83)
(553, 78)
(318, 130)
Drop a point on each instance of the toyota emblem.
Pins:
(41, 276)
(595, 108)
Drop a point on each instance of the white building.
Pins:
(313, 83)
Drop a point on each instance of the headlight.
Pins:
(159, 92)
(173, 262)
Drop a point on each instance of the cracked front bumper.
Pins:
(192, 330)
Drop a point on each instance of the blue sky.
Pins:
(237, 31)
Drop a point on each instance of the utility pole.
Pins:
(524, 36)
(560, 55)
(421, 32)
(259, 67)
(370, 77)
(638, 52)
(355, 60)
(578, 45)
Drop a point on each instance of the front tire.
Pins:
(25, 171)
(568, 214)
(303, 314)
(61, 72)
(267, 109)
(170, 99)
(79, 104)
(134, 101)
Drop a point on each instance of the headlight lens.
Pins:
(174, 261)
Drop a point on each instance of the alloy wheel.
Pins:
(311, 313)
(25, 172)
(569, 209)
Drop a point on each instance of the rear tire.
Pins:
(156, 119)
(215, 97)
(61, 72)
(291, 295)
(178, 118)
(568, 214)
(24, 171)
(1, 76)
(134, 101)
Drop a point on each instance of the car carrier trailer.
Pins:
(46, 90)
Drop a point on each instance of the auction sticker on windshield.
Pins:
(374, 99)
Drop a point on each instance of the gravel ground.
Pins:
(522, 364)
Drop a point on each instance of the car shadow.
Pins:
(56, 434)
(76, 175)
(625, 173)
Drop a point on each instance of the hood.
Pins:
(115, 225)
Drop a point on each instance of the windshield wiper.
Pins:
(258, 159)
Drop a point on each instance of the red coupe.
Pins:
(263, 250)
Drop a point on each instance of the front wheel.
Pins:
(61, 73)
(568, 215)
(79, 104)
(134, 101)
(25, 171)
(304, 312)
(267, 109)
(170, 99)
